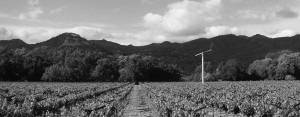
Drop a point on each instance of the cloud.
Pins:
(180, 22)
(5, 34)
(283, 33)
(38, 34)
(33, 13)
(147, 1)
(184, 18)
(249, 14)
(243, 12)
(222, 30)
(90, 33)
(33, 2)
(127, 38)
(58, 10)
(7, 16)
(287, 13)
(187, 20)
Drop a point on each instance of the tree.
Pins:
(56, 73)
(81, 64)
(35, 66)
(262, 69)
(167, 73)
(274, 55)
(10, 65)
(288, 64)
(106, 70)
(230, 71)
(147, 68)
(285, 66)
(126, 75)
(196, 76)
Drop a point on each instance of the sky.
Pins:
(141, 22)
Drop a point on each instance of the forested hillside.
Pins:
(70, 57)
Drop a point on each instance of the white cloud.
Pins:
(5, 34)
(90, 33)
(33, 2)
(287, 13)
(250, 14)
(38, 34)
(33, 13)
(184, 18)
(58, 10)
(182, 21)
(126, 39)
(256, 9)
(222, 30)
(7, 16)
(283, 33)
(187, 20)
(147, 1)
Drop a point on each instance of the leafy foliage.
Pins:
(146, 68)
(73, 64)
(285, 66)
(197, 74)
(106, 70)
(56, 73)
(267, 98)
(155, 62)
(63, 99)
(230, 71)
(226, 47)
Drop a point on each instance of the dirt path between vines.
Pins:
(139, 104)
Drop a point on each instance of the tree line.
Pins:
(71, 64)
(281, 65)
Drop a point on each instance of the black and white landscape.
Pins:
(150, 58)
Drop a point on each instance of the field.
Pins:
(175, 99)
(62, 99)
(262, 99)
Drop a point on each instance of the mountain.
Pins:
(259, 36)
(13, 43)
(244, 49)
(72, 40)
(65, 39)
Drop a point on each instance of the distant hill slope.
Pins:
(243, 48)
(65, 39)
(13, 43)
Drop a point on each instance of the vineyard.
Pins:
(63, 99)
(175, 99)
(234, 99)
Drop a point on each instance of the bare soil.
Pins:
(139, 104)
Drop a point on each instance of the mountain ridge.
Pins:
(225, 47)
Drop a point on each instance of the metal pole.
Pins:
(202, 53)
(202, 68)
